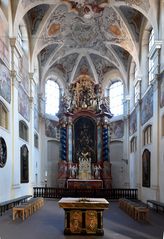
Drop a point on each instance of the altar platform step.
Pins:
(48, 222)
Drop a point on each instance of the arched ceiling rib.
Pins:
(103, 36)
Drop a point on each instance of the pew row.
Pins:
(26, 209)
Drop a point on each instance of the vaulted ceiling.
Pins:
(84, 36)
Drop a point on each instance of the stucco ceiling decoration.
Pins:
(87, 8)
(106, 29)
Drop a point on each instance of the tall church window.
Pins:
(3, 116)
(24, 164)
(147, 135)
(23, 130)
(116, 98)
(133, 145)
(151, 58)
(52, 94)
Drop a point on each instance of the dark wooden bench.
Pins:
(13, 202)
(156, 205)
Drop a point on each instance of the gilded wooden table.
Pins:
(84, 215)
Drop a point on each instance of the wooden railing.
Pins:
(114, 193)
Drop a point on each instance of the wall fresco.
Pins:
(5, 82)
(133, 122)
(117, 129)
(51, 128)
(147, 106)
(23, 103)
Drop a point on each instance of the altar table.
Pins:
(83, 215)
(86, 184)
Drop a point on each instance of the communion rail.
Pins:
(114, 193)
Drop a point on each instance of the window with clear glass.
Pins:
(52, 97)
(23, 130)
(3, 116)
(116, 98)
(148, 135)
(133, 145)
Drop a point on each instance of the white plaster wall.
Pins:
(52, 162)
(6, 171)
(133, 170)
(116, 155)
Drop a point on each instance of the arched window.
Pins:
(52, 97)
(23, 130)
(151, 58)
(146, 156)
(116, 98)
(147, 135)
(3, 116)
(24, 174)
(133, 145)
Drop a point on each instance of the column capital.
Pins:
(12, 41)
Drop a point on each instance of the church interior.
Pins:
(82, 97)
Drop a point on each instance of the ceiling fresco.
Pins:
(86, 35)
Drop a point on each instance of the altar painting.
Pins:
(117, 129)
(5, 83)
(91, 221)
(133, 122)
(23, 103)
(147, 106)
(84, 139)
(51, 128)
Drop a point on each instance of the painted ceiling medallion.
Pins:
(83, 33)
(53, 29)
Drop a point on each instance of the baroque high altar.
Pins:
(84, 116)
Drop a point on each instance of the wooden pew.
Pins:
(12, 203)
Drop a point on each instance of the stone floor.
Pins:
(48, 223)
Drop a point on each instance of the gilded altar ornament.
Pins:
(76, 221)
(91, 221)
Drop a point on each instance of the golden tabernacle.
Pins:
(84, 215)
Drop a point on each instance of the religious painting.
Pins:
(91, 221)
(133, 122)
(5, 82)
(36, 119)
(84, 145)
(146, 168)
(117, 129)
(51, 128)
(76, 221)
(162, 90)
(23, 103)
(4, 52)
(24, 164)
(147, 106)
(3, 152)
